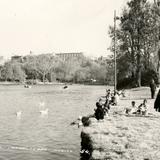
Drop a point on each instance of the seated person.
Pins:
(142, 108)
(115, 98)
(121, 93)
(99, 111)
(107, 106)
(132, 109)
(107, 100)
(108, 95)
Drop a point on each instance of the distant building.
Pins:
(69, 56)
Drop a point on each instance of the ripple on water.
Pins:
(51, 132)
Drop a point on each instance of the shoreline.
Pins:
(122, 137)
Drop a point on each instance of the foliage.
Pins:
(47, 67)
(137, 39)
(148, 75)
(12, 71)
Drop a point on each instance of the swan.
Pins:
(42, 104)
(18, 114)
(44, 112)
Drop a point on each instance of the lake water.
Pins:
(49, 137)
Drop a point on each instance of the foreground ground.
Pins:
(121, 137)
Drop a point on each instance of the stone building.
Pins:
(69, 56)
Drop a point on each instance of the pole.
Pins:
(115, 62)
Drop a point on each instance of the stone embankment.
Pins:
(122, 137)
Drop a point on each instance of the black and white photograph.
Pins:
(79, 80)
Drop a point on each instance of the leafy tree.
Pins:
(8, 71)
(40, 65)
(137, 38)
(18, 73)
(13, 71)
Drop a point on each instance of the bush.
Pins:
(147, 76)
(126, 83)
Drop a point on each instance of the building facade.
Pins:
(69, 56)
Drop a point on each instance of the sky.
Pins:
(53, 26)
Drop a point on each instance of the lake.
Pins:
(34, 136)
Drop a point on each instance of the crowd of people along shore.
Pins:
(111, 98)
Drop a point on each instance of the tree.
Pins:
(8, 71)
(18, 73)
(40, 65)
(136, 37)
(13, 71)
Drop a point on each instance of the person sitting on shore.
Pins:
(99, 111)
(115, 99)
(107, 100)
(121, 93)
(143, 108)
(132, 109)
(107, 106)
(108, 94)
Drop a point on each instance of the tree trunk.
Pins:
(133, 65)
(133, 58)
(138, 59)
(43, 78)
(139, 70)
(139, 77)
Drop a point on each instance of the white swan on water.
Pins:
(44, 112)
(18, 114)
(41, 104)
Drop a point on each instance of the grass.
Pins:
(127, 137)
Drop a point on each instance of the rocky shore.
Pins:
(122, 137)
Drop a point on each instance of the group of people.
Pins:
(142, 109)
(103, 108)
(104, 104)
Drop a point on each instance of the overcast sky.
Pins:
(46, 26)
